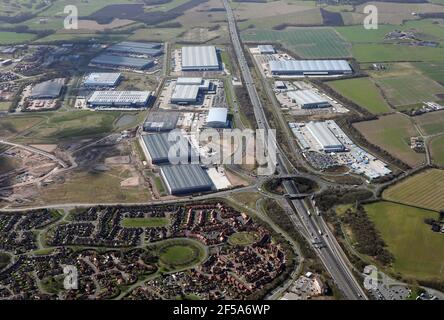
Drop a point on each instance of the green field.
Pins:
(7, 37)
(307, 43)
(434, 70)
(363, 92)
(423, 190)
(437, 150)
(431, 123)
(392, 133)
(16, 124)
(243, 238)
(152, 222)
(417, 250)
(181, 253)
(409, 90)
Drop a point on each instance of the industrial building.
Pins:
(218, 118)
(187, 90)
(186, 179)
(266, 49)
(201, 58)
(325, 137)
(50, 89)
(310, 67)
(161, 121)
(122, 62)
(102, 80)
(157, 147)
(308, 99)
(137, 48)
(119, 99)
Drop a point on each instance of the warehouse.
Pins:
(122, 62)
(119, 99)
(266, 49)
(137, 48)
(310, 67)
(102, 80)
(185, 94)
(50, 89)
(325, 137)
(218, 118)
(201, 58)
(308, 99)
(161, 121)
(157, 147)
(186, 179)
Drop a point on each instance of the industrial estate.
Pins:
(129, 150)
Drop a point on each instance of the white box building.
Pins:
(200, 58)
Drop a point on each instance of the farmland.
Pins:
(431, 123)
(363, 92)
(434, 70)
(13, 37)
(307, 43)
(424, 190)
(437, 150)
(417, 250)
(392, 133)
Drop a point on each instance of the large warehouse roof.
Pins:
(158, 147)
(105, 79)
(310, 66)
(150, 49)
(307, 97)
(185, 93)
(189, 80)
(217, 116)
(188, 178)
(324, 136)
(48, 89)
(199, 58)
(106, 59)
(119, 98)
(161, 121)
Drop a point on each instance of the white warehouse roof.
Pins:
(199, 58)
(217, 115)
(189, 80)
(307, 97)
(324, 136)
(185, 93)
(308, 66)
(102, 79)
(119, 98)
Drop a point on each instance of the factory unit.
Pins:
(187, 90)
(119, 99)
(122, 62)
(186, 179)
(50, 89)
(161, 121)
(218, 118)
(310, 67)
(266, 49)
(157, 147)
(102, 80)
(325, 137)
(308, 99)
(152, 49)
(200, 58)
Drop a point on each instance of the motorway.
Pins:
(316, 230)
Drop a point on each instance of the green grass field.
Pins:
(431, 123)
(153, 222)
(437, 150)
(417, 250)
(243, 238)
(16, 124)
(7, 37)
(363, 92)
(392, 133)
(307, 43)
(423, 190)
(434, 70)
(181, 253)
